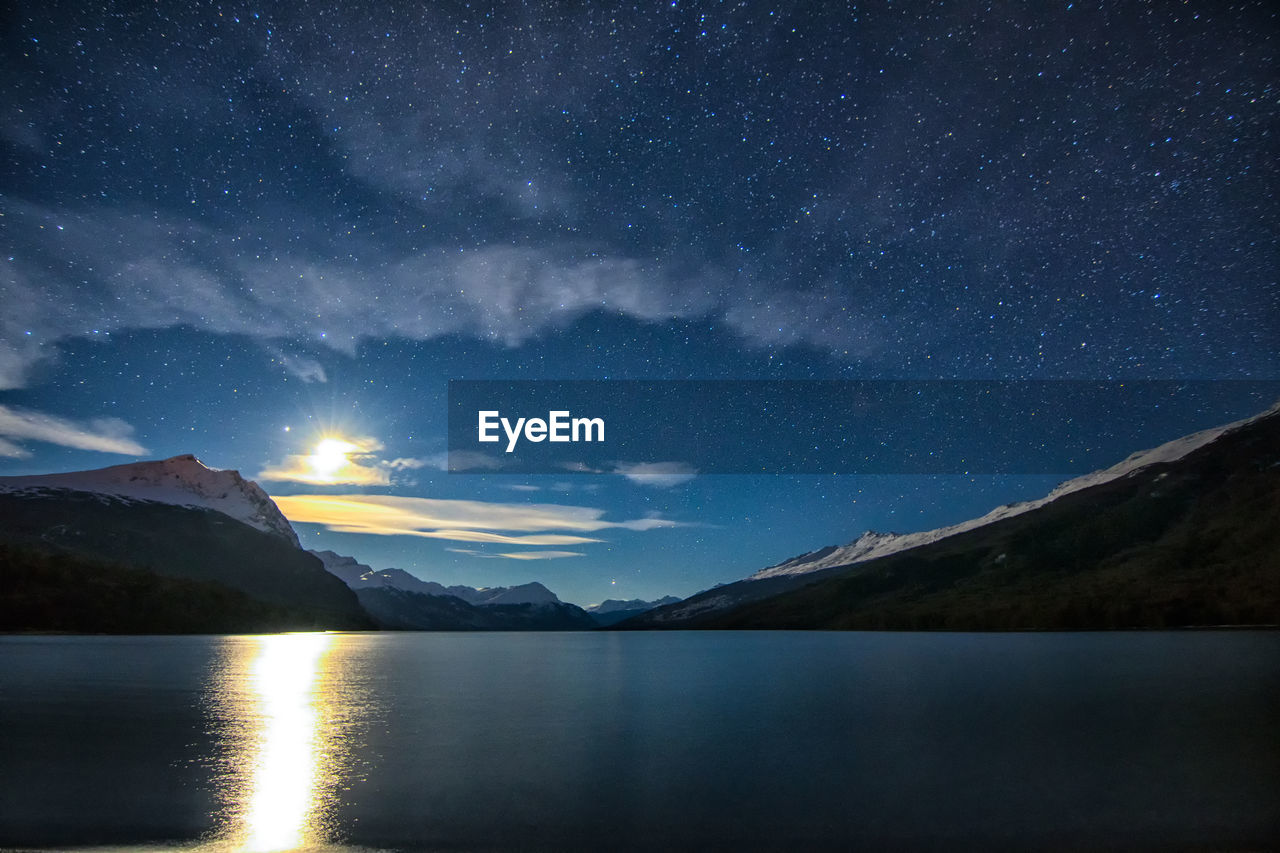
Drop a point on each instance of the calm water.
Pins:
(698, 741)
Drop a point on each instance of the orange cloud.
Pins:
(457, 520)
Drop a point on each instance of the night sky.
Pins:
(236, 230)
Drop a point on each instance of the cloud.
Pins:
(148, 265)
(107, 435)
(13, 451)
(484, 536)
(656, 474)
(540, 555)
(143, 273)
(458, 520)
(517, 555)
(298, 469)
(301, 367)
(464, 460)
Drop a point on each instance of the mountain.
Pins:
(359, 576)
(612, 611)
(155, 535)
(179, 480)
(1185, 534)
(398, 609)
(526, 593)
(398, 600)
(872, 545)
(614, 605)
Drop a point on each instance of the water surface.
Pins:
(596, 741)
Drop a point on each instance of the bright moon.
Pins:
(330, 455)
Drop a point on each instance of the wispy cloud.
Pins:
(517, 555)
(301, 367)
(13, 451)
(468, 460)
(495, 293)
(504, 539)
(657, 474)
(107, 435)
(540, 555)
(459, 520)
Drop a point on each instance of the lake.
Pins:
(642, 741)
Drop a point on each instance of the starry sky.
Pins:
(238, 230)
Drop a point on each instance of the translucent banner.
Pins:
(829, 427)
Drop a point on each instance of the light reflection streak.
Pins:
(276, 796)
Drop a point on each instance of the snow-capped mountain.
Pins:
(399, 601)
(865, 547)
(612, 611)
(359, 576)
(180, 481)
(166, 546)
(871, 545)
(1093, 523)
(526, 593)
(613, 605)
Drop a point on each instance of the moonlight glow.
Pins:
(329, 456)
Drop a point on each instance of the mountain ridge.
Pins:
(357, 575)
(872, 544)
(1136, 534)
(181, 480)
(80, 537)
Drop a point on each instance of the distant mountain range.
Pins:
(1185, 534)
(611, 611)
(399, 600)
(359, 576)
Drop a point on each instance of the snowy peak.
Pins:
(526, 593)
(614, 605)
(1170, 451)
(865, 547)
(347, 569)
(180, 480)
(872, 545)
(359, 576)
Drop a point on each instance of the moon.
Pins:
(329, 456)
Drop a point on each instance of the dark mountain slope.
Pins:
(187, 543)
(1195, 541)
(61, 592)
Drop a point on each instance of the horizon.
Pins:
(746, 572)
